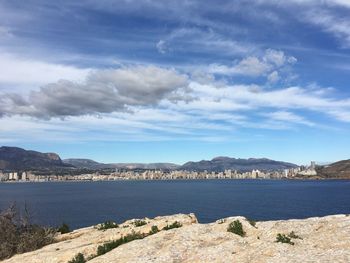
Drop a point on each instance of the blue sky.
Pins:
(172, 81)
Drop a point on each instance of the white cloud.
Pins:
(251, 66)
(273, 77)
(268, 65)
(277, 58)
(332, 23)
(103, 91)
(162, 47)
(22, 71)
(195, 39)
(288, 117)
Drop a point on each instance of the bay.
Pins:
(83, 204)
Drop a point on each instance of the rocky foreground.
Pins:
(319, 239)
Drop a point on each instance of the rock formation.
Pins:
(319, 239)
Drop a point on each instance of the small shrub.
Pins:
(79, 258)
(176, 224)
(154, 230)
(252, 222)
(63, 229)
(140, 222)
(236, 228)
(293, 235)
(103, 249)
(107, 225)
(282, 238)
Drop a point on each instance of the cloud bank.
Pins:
(103, 91)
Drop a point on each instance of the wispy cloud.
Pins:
(20, 71)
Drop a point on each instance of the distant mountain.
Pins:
(90, 164)
(163, 166)
(14, 158)
(86, 163)
(219, 164)
(339, 170)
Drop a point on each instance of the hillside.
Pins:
(219, 164)
(14, 158)
(339, 170)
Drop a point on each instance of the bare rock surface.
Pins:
(318, 239)
(87, 240)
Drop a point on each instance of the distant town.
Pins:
(30, 176)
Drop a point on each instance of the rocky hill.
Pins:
(339, 170)
(14, 158)
(319, 239)
(220, 164)
(90, 164)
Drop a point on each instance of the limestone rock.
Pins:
(86, 240)
(321, 239)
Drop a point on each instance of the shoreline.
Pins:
(185, 179)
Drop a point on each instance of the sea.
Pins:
(81, 204)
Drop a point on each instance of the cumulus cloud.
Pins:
(103, 91)
(267, 65)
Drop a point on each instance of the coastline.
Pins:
(185, 179)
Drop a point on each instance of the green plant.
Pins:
(108, 246)
(63, 229)
(176, 224)
(79, 258)
(293, 235)
(107, 225)
(252, 222)
(236, 228)
(154, 230)
(282, 238)
(140, 222)
(103, 249)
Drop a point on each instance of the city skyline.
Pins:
(152, 81)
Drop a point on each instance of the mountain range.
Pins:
(217, 164)
(242, 165)
(14, 158)
(20, 159)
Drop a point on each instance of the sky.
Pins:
(173, 81)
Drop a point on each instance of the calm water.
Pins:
(86, 203)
